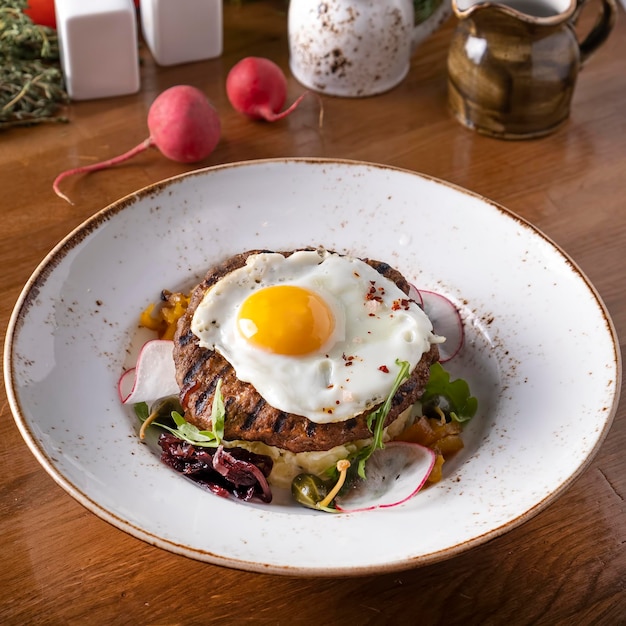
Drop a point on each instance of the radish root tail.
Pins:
(270, 116)
(144, 145)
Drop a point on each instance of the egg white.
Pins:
(355, 369)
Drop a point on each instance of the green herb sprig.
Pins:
(377, 418)
(188, 432)
(376, 424)
(31, 83)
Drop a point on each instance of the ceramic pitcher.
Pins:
(357, 48)
(513, 64)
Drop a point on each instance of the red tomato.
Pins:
(42, 12)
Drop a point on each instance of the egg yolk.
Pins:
(286, 319)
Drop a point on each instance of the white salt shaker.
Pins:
(98, 47)
(181, 31)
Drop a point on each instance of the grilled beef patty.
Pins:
(248, 416)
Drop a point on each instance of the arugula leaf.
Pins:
(188, 432)
(461, 405)
(218, 412)
(377, 420)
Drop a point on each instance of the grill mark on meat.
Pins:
(186, 338)
(254, 413)
(405, 389)
(201, 401)
(350, 424)
(196, 366)
(220, 374)
(203, 397)
(280, 422)
(186, 391)
(248, 416)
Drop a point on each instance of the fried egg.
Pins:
(316, 333)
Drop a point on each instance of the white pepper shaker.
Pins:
(181, 31)
(98, 47)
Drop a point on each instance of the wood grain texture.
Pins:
(63, 565)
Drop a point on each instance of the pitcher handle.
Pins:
(431, 24)
(600, 31)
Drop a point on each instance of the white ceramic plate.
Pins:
(541, 356)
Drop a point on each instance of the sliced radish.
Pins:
(125, 384)
(153, 377)
(394, 473)
(446, 321)
(414, 294)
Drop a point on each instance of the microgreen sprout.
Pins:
(186, 431)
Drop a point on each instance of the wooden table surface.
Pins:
(61, 564)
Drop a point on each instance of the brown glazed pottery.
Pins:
(513, 65)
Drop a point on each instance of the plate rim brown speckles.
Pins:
(387, 213)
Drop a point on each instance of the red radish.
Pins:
(395, 474)
(153, 377)
(446, 321)
(414, 294)
(183, 125)
(257, 88)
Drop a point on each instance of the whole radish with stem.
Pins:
(257, 87)
(183, 125)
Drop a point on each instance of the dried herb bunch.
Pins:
(31, 82)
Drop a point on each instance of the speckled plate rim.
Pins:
(286, 565)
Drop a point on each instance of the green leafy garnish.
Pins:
(346, 474)
(218, 412)
(188, 432)
(461, 405)
(142, 411)
(376, 424)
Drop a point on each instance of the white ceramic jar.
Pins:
(181, 31)
(355, 48)
(98, 47)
